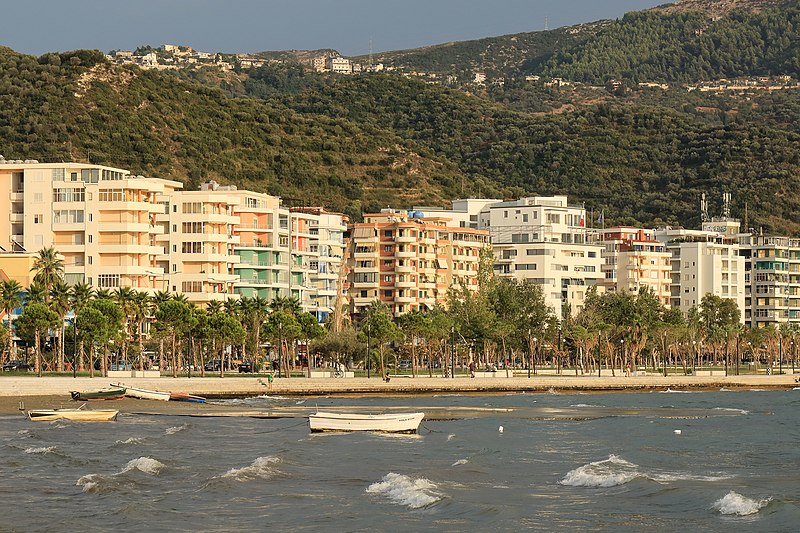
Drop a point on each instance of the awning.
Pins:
(441, 263)
(364, 232)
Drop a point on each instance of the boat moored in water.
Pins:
(186, 397)
(78, 415)
(388, 423)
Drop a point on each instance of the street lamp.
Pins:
(694, 348)
(530, 352)
(791, 349)
(72, 323)
(369, 359)
(453, 352)
(280, 349)
(622, 348)
(780, 354)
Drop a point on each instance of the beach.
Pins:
(47, 391)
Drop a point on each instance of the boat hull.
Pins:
(77, 415)
(387, 423)
(102, 394)
(186, 397)
(144, 394)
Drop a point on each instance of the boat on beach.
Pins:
(108, 393)
(388, 423)
(76, 414)
(186, 397)
(143, 394)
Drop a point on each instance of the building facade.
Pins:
(544, 240)
(772, 279)
(633, 259)
(410, 262)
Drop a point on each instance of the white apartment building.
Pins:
(633, 259)
(544, 240)
(339, 65)
(705, 261)
(465, 213)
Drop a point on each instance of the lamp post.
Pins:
(622, 349)
(453, 352)
(780, 354)
(74, 348)
(369, 359)
(530, 352)
(694, 359)
(791, 349)
(280, 349)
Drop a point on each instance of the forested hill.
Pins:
(694, 40)
(64, 107)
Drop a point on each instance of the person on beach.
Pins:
(472, 368)
(269, 380)
(628, 370)
(386, 377)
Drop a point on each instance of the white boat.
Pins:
(390, 423)
(143, 394)
(79, 414)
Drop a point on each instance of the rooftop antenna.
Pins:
(746, 227)
(371, 64)
(726, 202)
(703, 208)
(546, 23)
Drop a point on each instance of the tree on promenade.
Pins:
(382, 329)
(60, 303)
(91, 324)
(720, 318)
(225, 330)
(37, 319)
(174, 318)
(110, 328)
(10, 299)
(80, 296)
(413, 325)
(158, 299)
(283, 329)
(124, 297)
(141, 310)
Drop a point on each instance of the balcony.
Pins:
(407, 284)
(17, 196)
(16, 217)
(405, 239)
(407, 268)
(405, 254)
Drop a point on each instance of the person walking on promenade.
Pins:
(628, 370)
(472, 368)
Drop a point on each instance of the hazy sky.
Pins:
(258, 25)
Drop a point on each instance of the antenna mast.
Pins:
(726, 202)
(371, 64)
(703, 208)
(546, 23)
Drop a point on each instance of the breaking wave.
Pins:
(734, 503)
(673, 391)
(460, 462)
(131, 440)
(175, 429)
(740, 411)
(148, 465)
(451, 436)
(262, 467)
(42, 450)
(96, 482)
(616, 471)
(403, 490)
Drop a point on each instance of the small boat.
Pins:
(186, 397)
(143, 394)
(109, 393)
(79, 415)
(389, 423)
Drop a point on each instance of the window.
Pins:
(192, 286)
(37, 219)
(68, 216)
(191, 227)
(68, 195)
(108, 281)
(387, 233)
(387, 279)
(192, 247)
(111, 195)
(91, 175)
(387, 294)
(38, 197)
(388, 248)
(192, 207)
(58, 174)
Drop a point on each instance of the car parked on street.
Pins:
(16, 365)
(246, 367)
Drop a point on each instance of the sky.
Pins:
(261, 25)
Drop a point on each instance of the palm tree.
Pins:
(10, 299)
(160, 298)
(36, 293)
(286, 304)
(125, 298)
(141, 308)
(59, 302)
(49, 268)
(103, 294)
(80, 296)
(214, 307)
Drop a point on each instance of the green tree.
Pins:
(49, 269)
(80, 296)
(60, 303)
(382, 329)
(37, 319)
(175, 318)
(10, 299)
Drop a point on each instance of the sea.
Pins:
(647, 461)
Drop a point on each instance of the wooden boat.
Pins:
(109, 393)
(390, 423)
(78, 415)
(143, 394)
(186, 397)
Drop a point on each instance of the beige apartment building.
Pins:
(772, 279)
(410, 262)
(633, 259)
(544, 240)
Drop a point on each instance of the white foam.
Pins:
(148, 465)
(262, 467)
(460, 462)
(175, 429)
(403, 490)
(43, 450)
(451, 436)
(673, 391)
(586, 405)
(741, 411)
(735, 503)
(89, 482)
(607, 473)
(131, 440)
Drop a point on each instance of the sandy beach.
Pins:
(54, 391)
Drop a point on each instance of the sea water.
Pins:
(601, 462)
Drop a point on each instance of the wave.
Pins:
(586, 405)
(96, 482)
(673, 391)
(616, 471)
(740, 411)
(262, 467)
(403, 490)
(42, 450)
(451, 436)
(606, 473)
(131, 440)
(553, 391)
(460, 462)
(175, 429)
(736, 504)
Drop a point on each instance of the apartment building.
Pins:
(633, 259)
(464, 213)
(339, 65)
(772, 279)
(410, 262)
(705, 261)
(544, 240)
